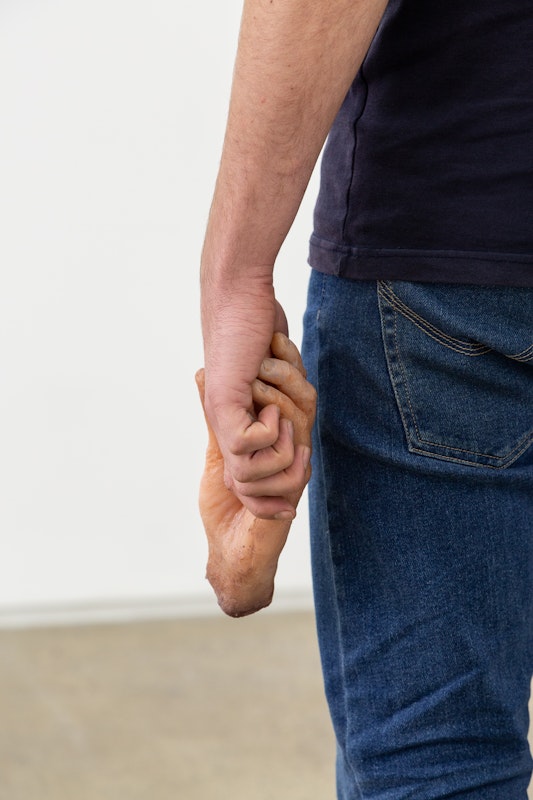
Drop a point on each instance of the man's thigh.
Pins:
(421, 534)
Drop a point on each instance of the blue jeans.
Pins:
(421, 528)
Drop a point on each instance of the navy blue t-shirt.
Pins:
(427, 174)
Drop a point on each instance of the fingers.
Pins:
(282, 348)
(268, 460)
(272, 508)
(280, 321)
(248, 468)
(265, 496)
(265, 393)
(270, 481)
(288, 482)
(252, 433)
(277, 496)
(290, 382)
(270, 441)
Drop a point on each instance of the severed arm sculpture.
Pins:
(243, 549)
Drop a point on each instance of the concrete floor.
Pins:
(205, 709)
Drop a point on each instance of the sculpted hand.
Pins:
(243, 549)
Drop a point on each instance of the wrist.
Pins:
(238, 245)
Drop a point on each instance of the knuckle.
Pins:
(254, 505)
(282, 461)
(235, 446)
(284, 368)
(241, 474)
(291, 486)
(300, 419)
(269, 417)
(244, 490)
(296, 482)
(309, 392)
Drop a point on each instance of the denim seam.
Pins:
(505, 460)
(522, 443)
(339, 594)
(385, 328)
(469, 463)
(525, 355)
(404, 374)
(464, 348)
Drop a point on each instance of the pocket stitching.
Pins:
(461, 346)
(504, 460)
(469, 349)
(522, 443)
(525, 355)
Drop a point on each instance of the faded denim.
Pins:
(421, 527)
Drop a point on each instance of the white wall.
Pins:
(112, 114)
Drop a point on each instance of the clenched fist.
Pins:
(243, 549)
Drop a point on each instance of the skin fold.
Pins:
(243, 549)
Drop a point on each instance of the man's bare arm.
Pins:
(295, 62)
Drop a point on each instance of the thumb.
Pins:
(280, 321)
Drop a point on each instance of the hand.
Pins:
(256, 444)
(244, 550)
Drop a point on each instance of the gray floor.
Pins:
(174, 710)
(203, 709)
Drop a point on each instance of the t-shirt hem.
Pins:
(431, 266)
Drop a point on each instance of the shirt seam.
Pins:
(384, 252)
(355, 125)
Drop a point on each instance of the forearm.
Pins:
(295, 62)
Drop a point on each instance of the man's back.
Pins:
(428, 172)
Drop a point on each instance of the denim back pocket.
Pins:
(460, 359)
